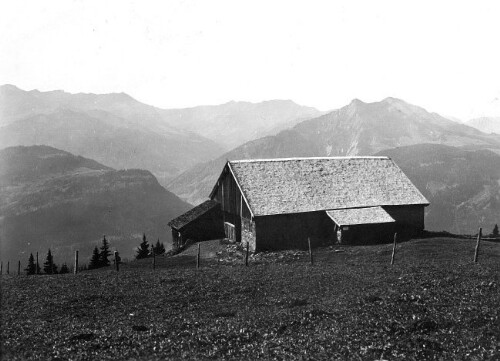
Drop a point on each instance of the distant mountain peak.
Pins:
(392, 100)
(9, 87)
(119, 96)
(388, 100)
(357, 101)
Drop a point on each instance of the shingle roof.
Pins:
(353, 216)
(294, 185)
(192, 214)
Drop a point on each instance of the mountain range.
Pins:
(234, 123)
(356, 129)
(51, 198)
(121, 132)
(463, 187)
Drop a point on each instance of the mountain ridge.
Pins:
(171, 140)
(51, 198)
(356, 129)
(463, 186)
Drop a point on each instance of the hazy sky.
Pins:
(442, 55)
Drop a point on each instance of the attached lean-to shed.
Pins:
(363, 224)
(200, 223)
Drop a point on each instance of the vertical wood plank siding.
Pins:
(234, 208)
(229, 196)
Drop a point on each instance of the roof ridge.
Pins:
(304, 158)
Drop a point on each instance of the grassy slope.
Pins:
(434, 303)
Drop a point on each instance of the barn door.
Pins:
(230, 232)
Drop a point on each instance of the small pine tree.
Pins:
(95, 260)
(31, 269)
(495, 231)
(104, 254)
(49, 266)
(64, 269)
(143, 249)
(159, 248)
(38, 269)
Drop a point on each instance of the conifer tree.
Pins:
(49, 266)
(31, 269)
(38, 270)
(495, 231)
(104, 254)
(64, 269)
(159, 248)
(143, 249)
(95, 260)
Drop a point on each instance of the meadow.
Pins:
(434, 303)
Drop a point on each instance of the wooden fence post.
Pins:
(8, 266)
(246, 255)
(154, 260)
(394, 248)
(198, 257)
(476, 252)
(1, 268)
(37, 266)
(117, 261)
(310, 250)
(75, 271)
(18, 268)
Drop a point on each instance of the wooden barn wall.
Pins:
(291, 231)
(369, 233)
(205, 227)
(229, 196)
(408, 218)
(233, 206)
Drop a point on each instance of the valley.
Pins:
(53, 199)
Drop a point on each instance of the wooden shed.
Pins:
(280, 203)
(200, 223)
